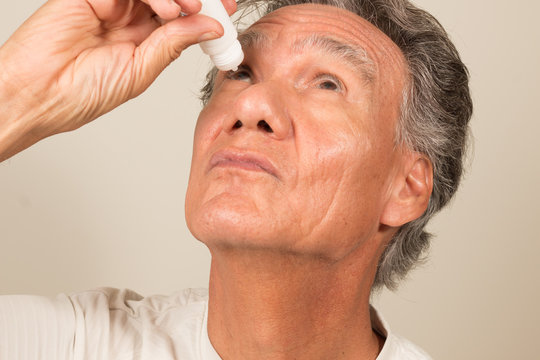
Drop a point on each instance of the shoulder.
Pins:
(125, 323)
(105, 323)
(126, 308)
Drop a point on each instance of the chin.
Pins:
(231, 220)
(238, 226)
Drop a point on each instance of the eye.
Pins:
(242, 74)
(329, 82)
(329, 85)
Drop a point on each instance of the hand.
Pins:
(74, 60)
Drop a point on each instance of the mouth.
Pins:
(248, 161)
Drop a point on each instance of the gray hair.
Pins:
(435, 111)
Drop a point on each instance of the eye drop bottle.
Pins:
(226, 51)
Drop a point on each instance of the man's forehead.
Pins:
(331, 29)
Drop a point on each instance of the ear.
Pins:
(411, 190)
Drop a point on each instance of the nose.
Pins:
(261, 107)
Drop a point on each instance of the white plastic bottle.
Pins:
(226, 52)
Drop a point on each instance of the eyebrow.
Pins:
(253, 39)
(355, 56)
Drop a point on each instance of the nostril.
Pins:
(264, 126)
(237, 124)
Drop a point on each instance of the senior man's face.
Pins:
(296, 150)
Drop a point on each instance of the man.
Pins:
(316, 166)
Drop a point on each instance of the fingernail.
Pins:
(209, 36)
(176, 6)
(196, 2)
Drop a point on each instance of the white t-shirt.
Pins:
(117, 324)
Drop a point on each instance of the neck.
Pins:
(270, 305)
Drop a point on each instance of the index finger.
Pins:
(230, 6)
(171, 9)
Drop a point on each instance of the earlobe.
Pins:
(410, 194)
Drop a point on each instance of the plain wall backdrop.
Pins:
(104, 205)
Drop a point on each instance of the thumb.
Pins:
(166, 44)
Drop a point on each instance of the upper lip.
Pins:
(239, 157)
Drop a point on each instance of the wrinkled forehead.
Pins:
(334, 30)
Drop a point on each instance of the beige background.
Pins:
(103, 206)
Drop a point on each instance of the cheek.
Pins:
(205, 132)
(333, 143)
(209, 125)
(344, 179)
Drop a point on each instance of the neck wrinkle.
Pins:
(266, 305)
